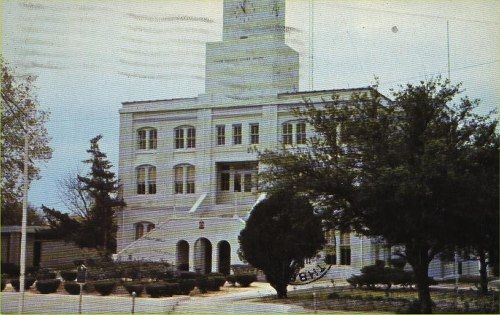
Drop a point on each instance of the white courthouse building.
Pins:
(189, 166)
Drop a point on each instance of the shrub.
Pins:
(246, 279)
(4, 283)
(183, 267)
(202, 284)
(48, 286)
(28, 282)
(105, 287)
(72, 287)
(231, 279)
(188, 275)
(88, 287)
(159, 289)
(186, 286)
(398, 263)
(78, 262)
(136, 287)
(69, 275)
(46, 274)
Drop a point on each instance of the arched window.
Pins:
(184, 179)
(146, 180)
(140, 226)
(185, 137)
(147, 138)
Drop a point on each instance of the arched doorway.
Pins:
(203, 255)
(224, 255)
(182, 260)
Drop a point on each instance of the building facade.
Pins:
(189, 166)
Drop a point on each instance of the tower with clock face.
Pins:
(252, 60)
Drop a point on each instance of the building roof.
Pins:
(17, 228)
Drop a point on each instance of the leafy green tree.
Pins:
(96, 226)
(390, 169)
(281, 232)
(20, 113)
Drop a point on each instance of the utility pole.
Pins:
(24, 222)
(448, 47)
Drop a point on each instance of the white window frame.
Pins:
(254, 136)
(150, 142)
(184, 137)
(149, 183)
(188, 183)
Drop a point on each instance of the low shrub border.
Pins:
(4, 283)
(231, 279)
(186, 286)
(105, 287)
(72, 287)
(68, 275)
(48, 286)
(159, 289)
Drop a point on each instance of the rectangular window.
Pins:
(153, 138)
(237, 134)
(179, 180)
(191, 138)
(141, 181)
(221, 135)
(152, 180)
(247, 183)
(224, 181)
(237, 182)
(179, 138)
(141, 139)
(345, 249)
(254, 134)
(190, 180)
(287, 134)
(300, 133)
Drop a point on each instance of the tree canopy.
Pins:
(281, 232)
(390, 168)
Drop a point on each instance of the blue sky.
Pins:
(89, 56)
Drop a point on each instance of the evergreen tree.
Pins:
(281, 232)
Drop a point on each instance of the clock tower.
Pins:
(252, 60)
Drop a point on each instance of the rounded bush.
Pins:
(28, 282)
(105, 287)
(48, 286)
(46, 275)
(136, 287)
(159, 289)
(69, 275)
(186, 286)
(10, 269)
(202, 284)
(215, 282)
(4, 283)
(72, 287)
(188, 275)
(245, 279)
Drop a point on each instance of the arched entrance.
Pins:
(224, 255)
(203, 255)
(182, 259)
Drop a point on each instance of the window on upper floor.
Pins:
(237, 134)
(300, 133)
(141, 226)
(146, 180)
(286, 133)
(221, 135)
(184, 137)
(147, 138)
(254, 133)
(184, 179)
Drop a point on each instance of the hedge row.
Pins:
(243, 280)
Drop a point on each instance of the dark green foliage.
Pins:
(105, 287)
(72, 287)
(281, 232)
(28, 282)
(245, 280)
(45, 274)
(68, 275)
(398, 263)
(159, 289)
(4, 283)
(136, 287)
(188, 275)
(186, 286)
(48, 286)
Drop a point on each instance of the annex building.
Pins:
(189, 166)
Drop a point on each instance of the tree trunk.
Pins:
(482, 271)
(280, 288)
(419, 260)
